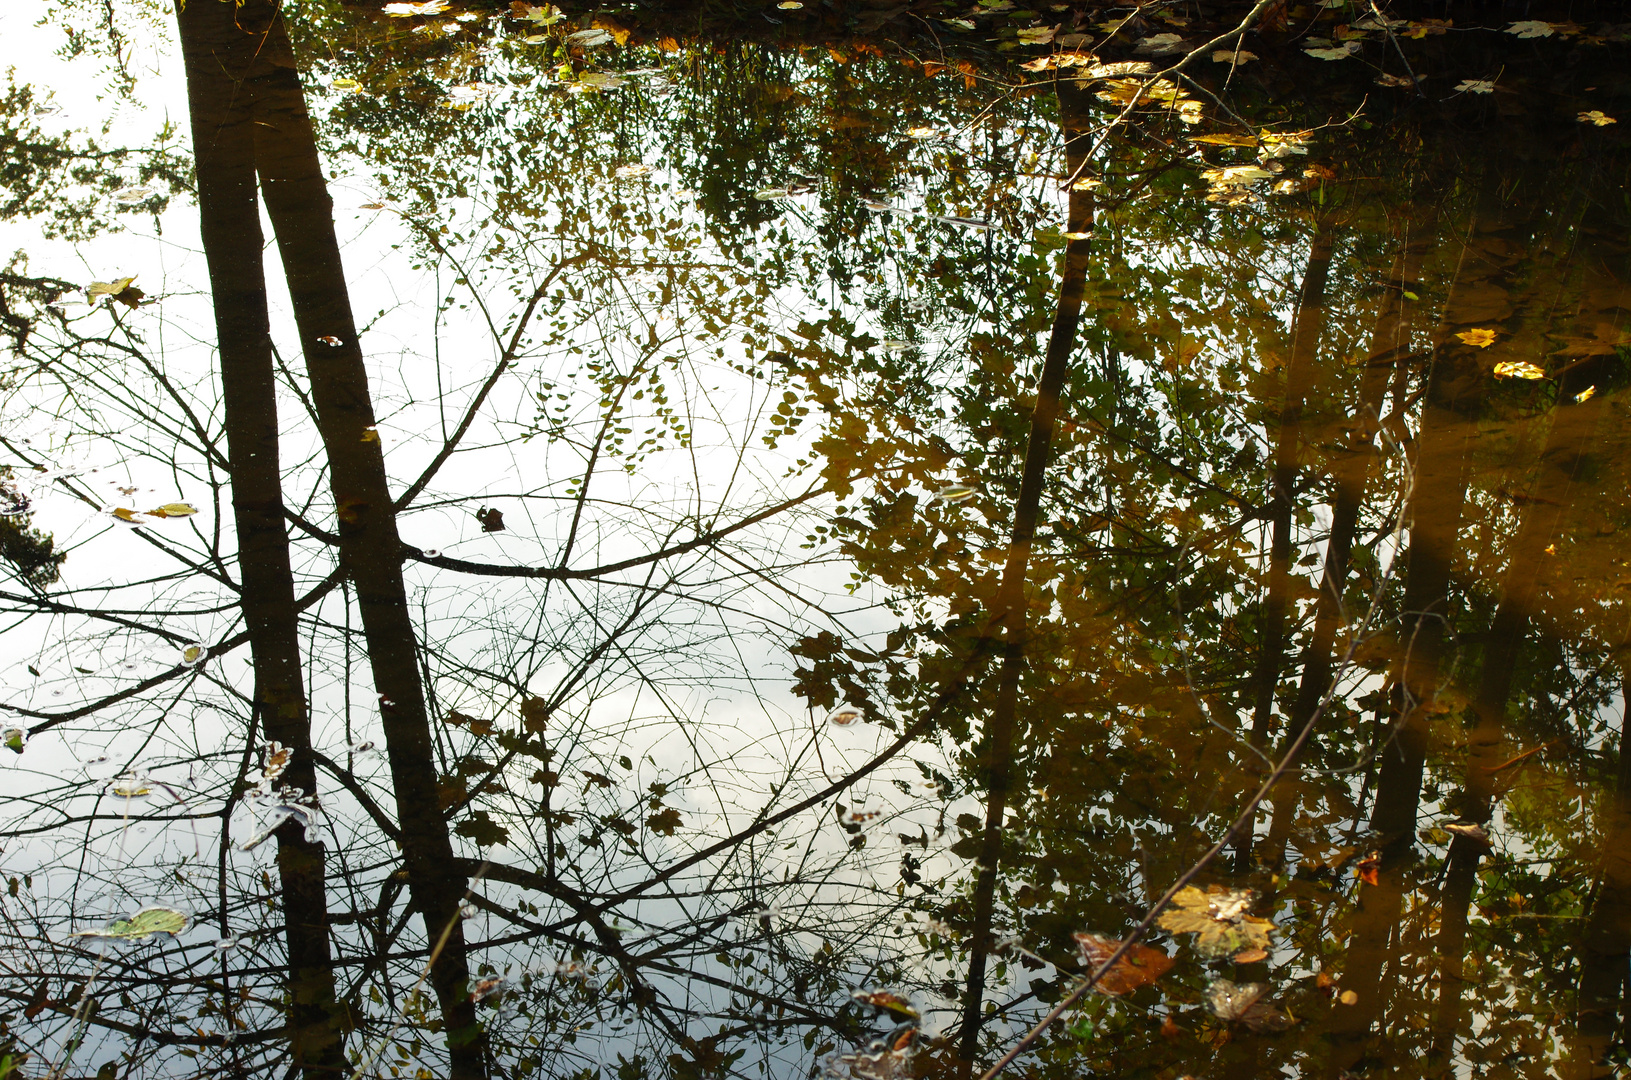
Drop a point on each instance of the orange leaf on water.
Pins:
(1140, 966)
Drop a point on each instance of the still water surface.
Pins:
(624, 543)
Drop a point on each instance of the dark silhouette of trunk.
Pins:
(1604, 950)
(1539, 525)
(223, 146)
(1456, 383)
(1366, 969)
(1389, 348)
(250, 45)
(1307, 327)
(998, 749)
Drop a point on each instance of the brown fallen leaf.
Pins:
(1251, 956)
(1140, 966)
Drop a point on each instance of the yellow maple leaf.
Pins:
(1481, 339)
(1218, 920)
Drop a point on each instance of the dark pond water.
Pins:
(769, 541)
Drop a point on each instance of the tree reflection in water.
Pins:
(549, 572)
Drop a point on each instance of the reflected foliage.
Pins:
(688, 597)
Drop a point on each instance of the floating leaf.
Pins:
(1060, 60)
(141, 926)
(770, 194)
(844, 716)
(482, 989)
(1225, 139)
(1282, 144)
(370, 434)
(407, 9)
(1161, 44)
(602, 80)
(1531, 28)
(226, 944)
(193, 653)
(129, 788)
(1396, 80)
(329, 339)
(1349, 997)
(1475, 86)
(1596, 117)
(1140, 966)
(1037, 35)
(1336, 52)
(13, 738)
(132, 195)
(1518, 369)
(1470, 831)
(541, 14)
(491, 519)
(923, 133)
(632, 172)
(1427, 27)
(1218, 919)
(108, 288)
(1369, 868)
(1244, 1003)
(173, 510)
(1229, 56)
(1118, 68)
(885, 1001)
(1235, 175)
(1481, 338)
(954, 493)
(1585, 394)
(1250, 956)
(959, 24)
(588, 39)
(964, 222)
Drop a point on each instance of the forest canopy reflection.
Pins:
(776, 542)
